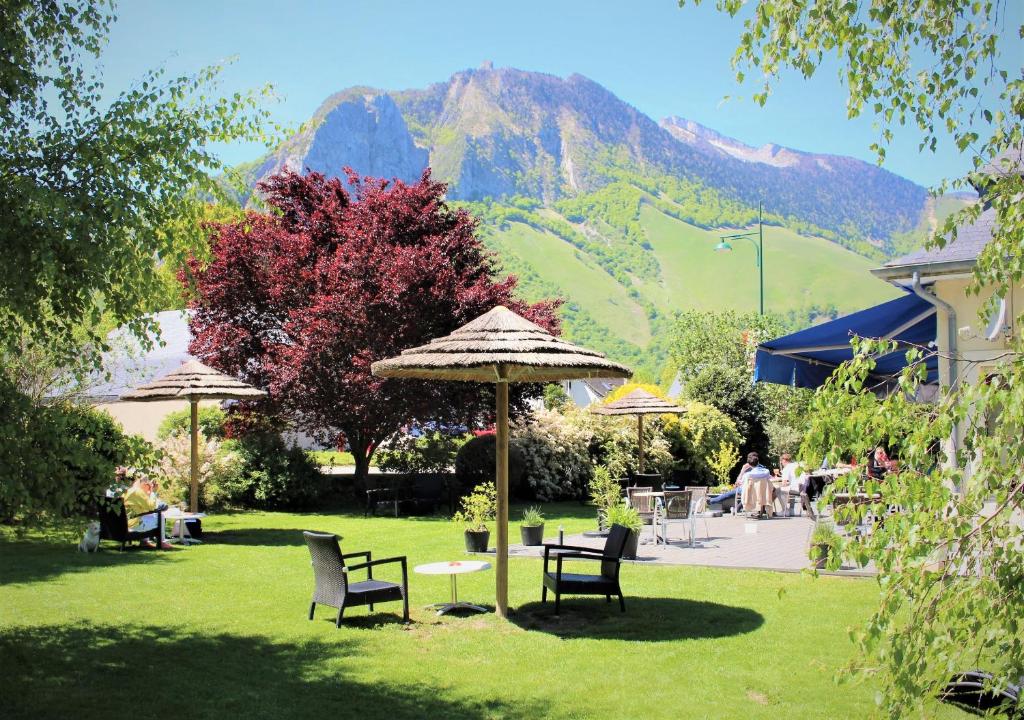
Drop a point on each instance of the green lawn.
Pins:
(220, 630)
(331, 457)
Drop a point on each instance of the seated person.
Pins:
(879, 463)
(791, 480)
(737, 489)
(141, 498)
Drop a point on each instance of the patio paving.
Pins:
(777, 544)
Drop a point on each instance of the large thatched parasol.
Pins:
(640, 403)
(500, 347)
(194, 381)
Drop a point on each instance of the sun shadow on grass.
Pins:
(27, 561)
(647, 619)
(106, 671)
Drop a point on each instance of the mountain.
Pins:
(565, 174)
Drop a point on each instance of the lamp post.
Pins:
(724, 246)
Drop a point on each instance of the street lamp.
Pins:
(724, 246)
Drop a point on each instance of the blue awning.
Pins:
(807, 358)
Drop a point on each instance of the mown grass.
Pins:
(335, 458)
(220, 630)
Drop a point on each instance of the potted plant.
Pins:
(628, 517)
(605, 493)
(825, 541)
(532, 528)
(475, 510)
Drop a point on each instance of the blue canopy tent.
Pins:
(806, 358)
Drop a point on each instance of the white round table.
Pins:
(180, 517)
(453, 568)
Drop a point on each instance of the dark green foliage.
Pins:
(270, 475)
(730, 390)
(58, 460)
(211, 423)
(475, 464)
(432, 452)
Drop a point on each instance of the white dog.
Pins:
(91, 539)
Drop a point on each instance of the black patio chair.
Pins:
(967, 692)
(606, 583)
(335, 589)
(114, 525)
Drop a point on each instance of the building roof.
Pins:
(130, 366)
(958, 256)
(602, 386)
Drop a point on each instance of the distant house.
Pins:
(129, 365)
(591, 390)
(969, 349)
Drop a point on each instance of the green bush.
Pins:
(730, 390)
(263, 472)
(555, 454)
(211, 423)
(695, 437)
(474, 464)
(432, 452)
(58, 460)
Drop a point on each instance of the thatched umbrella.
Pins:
(194, 381)
(500, 347)
(640, 403)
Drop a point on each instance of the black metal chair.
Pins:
(606, 583)
(335, 589)
(967, 692)
(114, 524)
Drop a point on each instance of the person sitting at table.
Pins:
(737, 488)
(879, 463)
(792, 480)
(141, 498)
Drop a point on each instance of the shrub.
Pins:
(478, 507)
(730, 390)
(696, 436)
(556, 455)
(604, 492)
(475, 462)
(59, 460)
(267, 474)
(555, 397)
(179, 422)
(613, 443)
(432, 452)
(722, 462)
(174, 469)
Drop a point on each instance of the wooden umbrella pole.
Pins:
(193, 500)
(640, 442)
(501, 474)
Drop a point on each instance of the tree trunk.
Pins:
(362, 458)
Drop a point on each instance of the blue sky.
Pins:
(659, 58)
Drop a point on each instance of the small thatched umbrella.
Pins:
(500, 347)
(640, 403)
(194, 381)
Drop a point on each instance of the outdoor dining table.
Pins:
(180, 518)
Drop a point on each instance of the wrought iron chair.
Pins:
(606, 583)
(335, 589)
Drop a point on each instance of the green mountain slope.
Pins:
(627, 315)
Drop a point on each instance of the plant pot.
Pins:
(632, 543)
(476, 540)
(532, 534)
